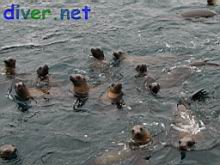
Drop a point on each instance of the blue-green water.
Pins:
(55, 134)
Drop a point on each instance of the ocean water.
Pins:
(52, 133)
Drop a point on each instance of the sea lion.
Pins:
(133, 151)
(80, 89)
(211, 2)
(10, 66)
(42, 72)
(121, 57)
(8, 151)
(22, 92)
(114, 95)
(141, 70)
(189, 129)
(98, 54)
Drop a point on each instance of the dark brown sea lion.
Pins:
(98, 54)
(152, 84)
(132, 150)
(10, 66)
(141, 70)
(22, 91)
(8, 151)
(42, 72)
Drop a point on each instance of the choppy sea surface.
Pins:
(52, 133)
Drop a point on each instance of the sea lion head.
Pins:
(98, 54)
(115, 88)
(81, 87)
(118, 56)
(211, 2)
(10, 63)
(78, 80)
(154, 87)
(142, 70)
(22, 91)
(140, 135)
(186, 143)
(8, 151)
(42, 72)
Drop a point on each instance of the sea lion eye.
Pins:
(141, 129)
(132, 131)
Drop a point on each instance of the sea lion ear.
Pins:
(71, 78)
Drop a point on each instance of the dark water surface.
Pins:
(54, 134)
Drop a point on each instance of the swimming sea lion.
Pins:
(80, 89)
(22, 92)
(133, 150)
(121, 57)
(42, 72)
(140, 136)
(98, 54)
(114, 95)
(189, 128)
(8, 151)
(141, 70)
(211, 2)
(10, 66)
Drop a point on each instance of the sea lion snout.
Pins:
(211, 2)
(141, 69)
(140, 135)
(8, 151)
(186, 143)
(10, 63)
(154, 87)
(43, 72)
(98, 54)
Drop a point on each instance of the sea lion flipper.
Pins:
(199, 95)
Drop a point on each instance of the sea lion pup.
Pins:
(133, 152)
(10, 66)
(8, 151)
(80, 89)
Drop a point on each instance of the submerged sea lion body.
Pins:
(120, 57)
(198, 13)
(132, 153)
